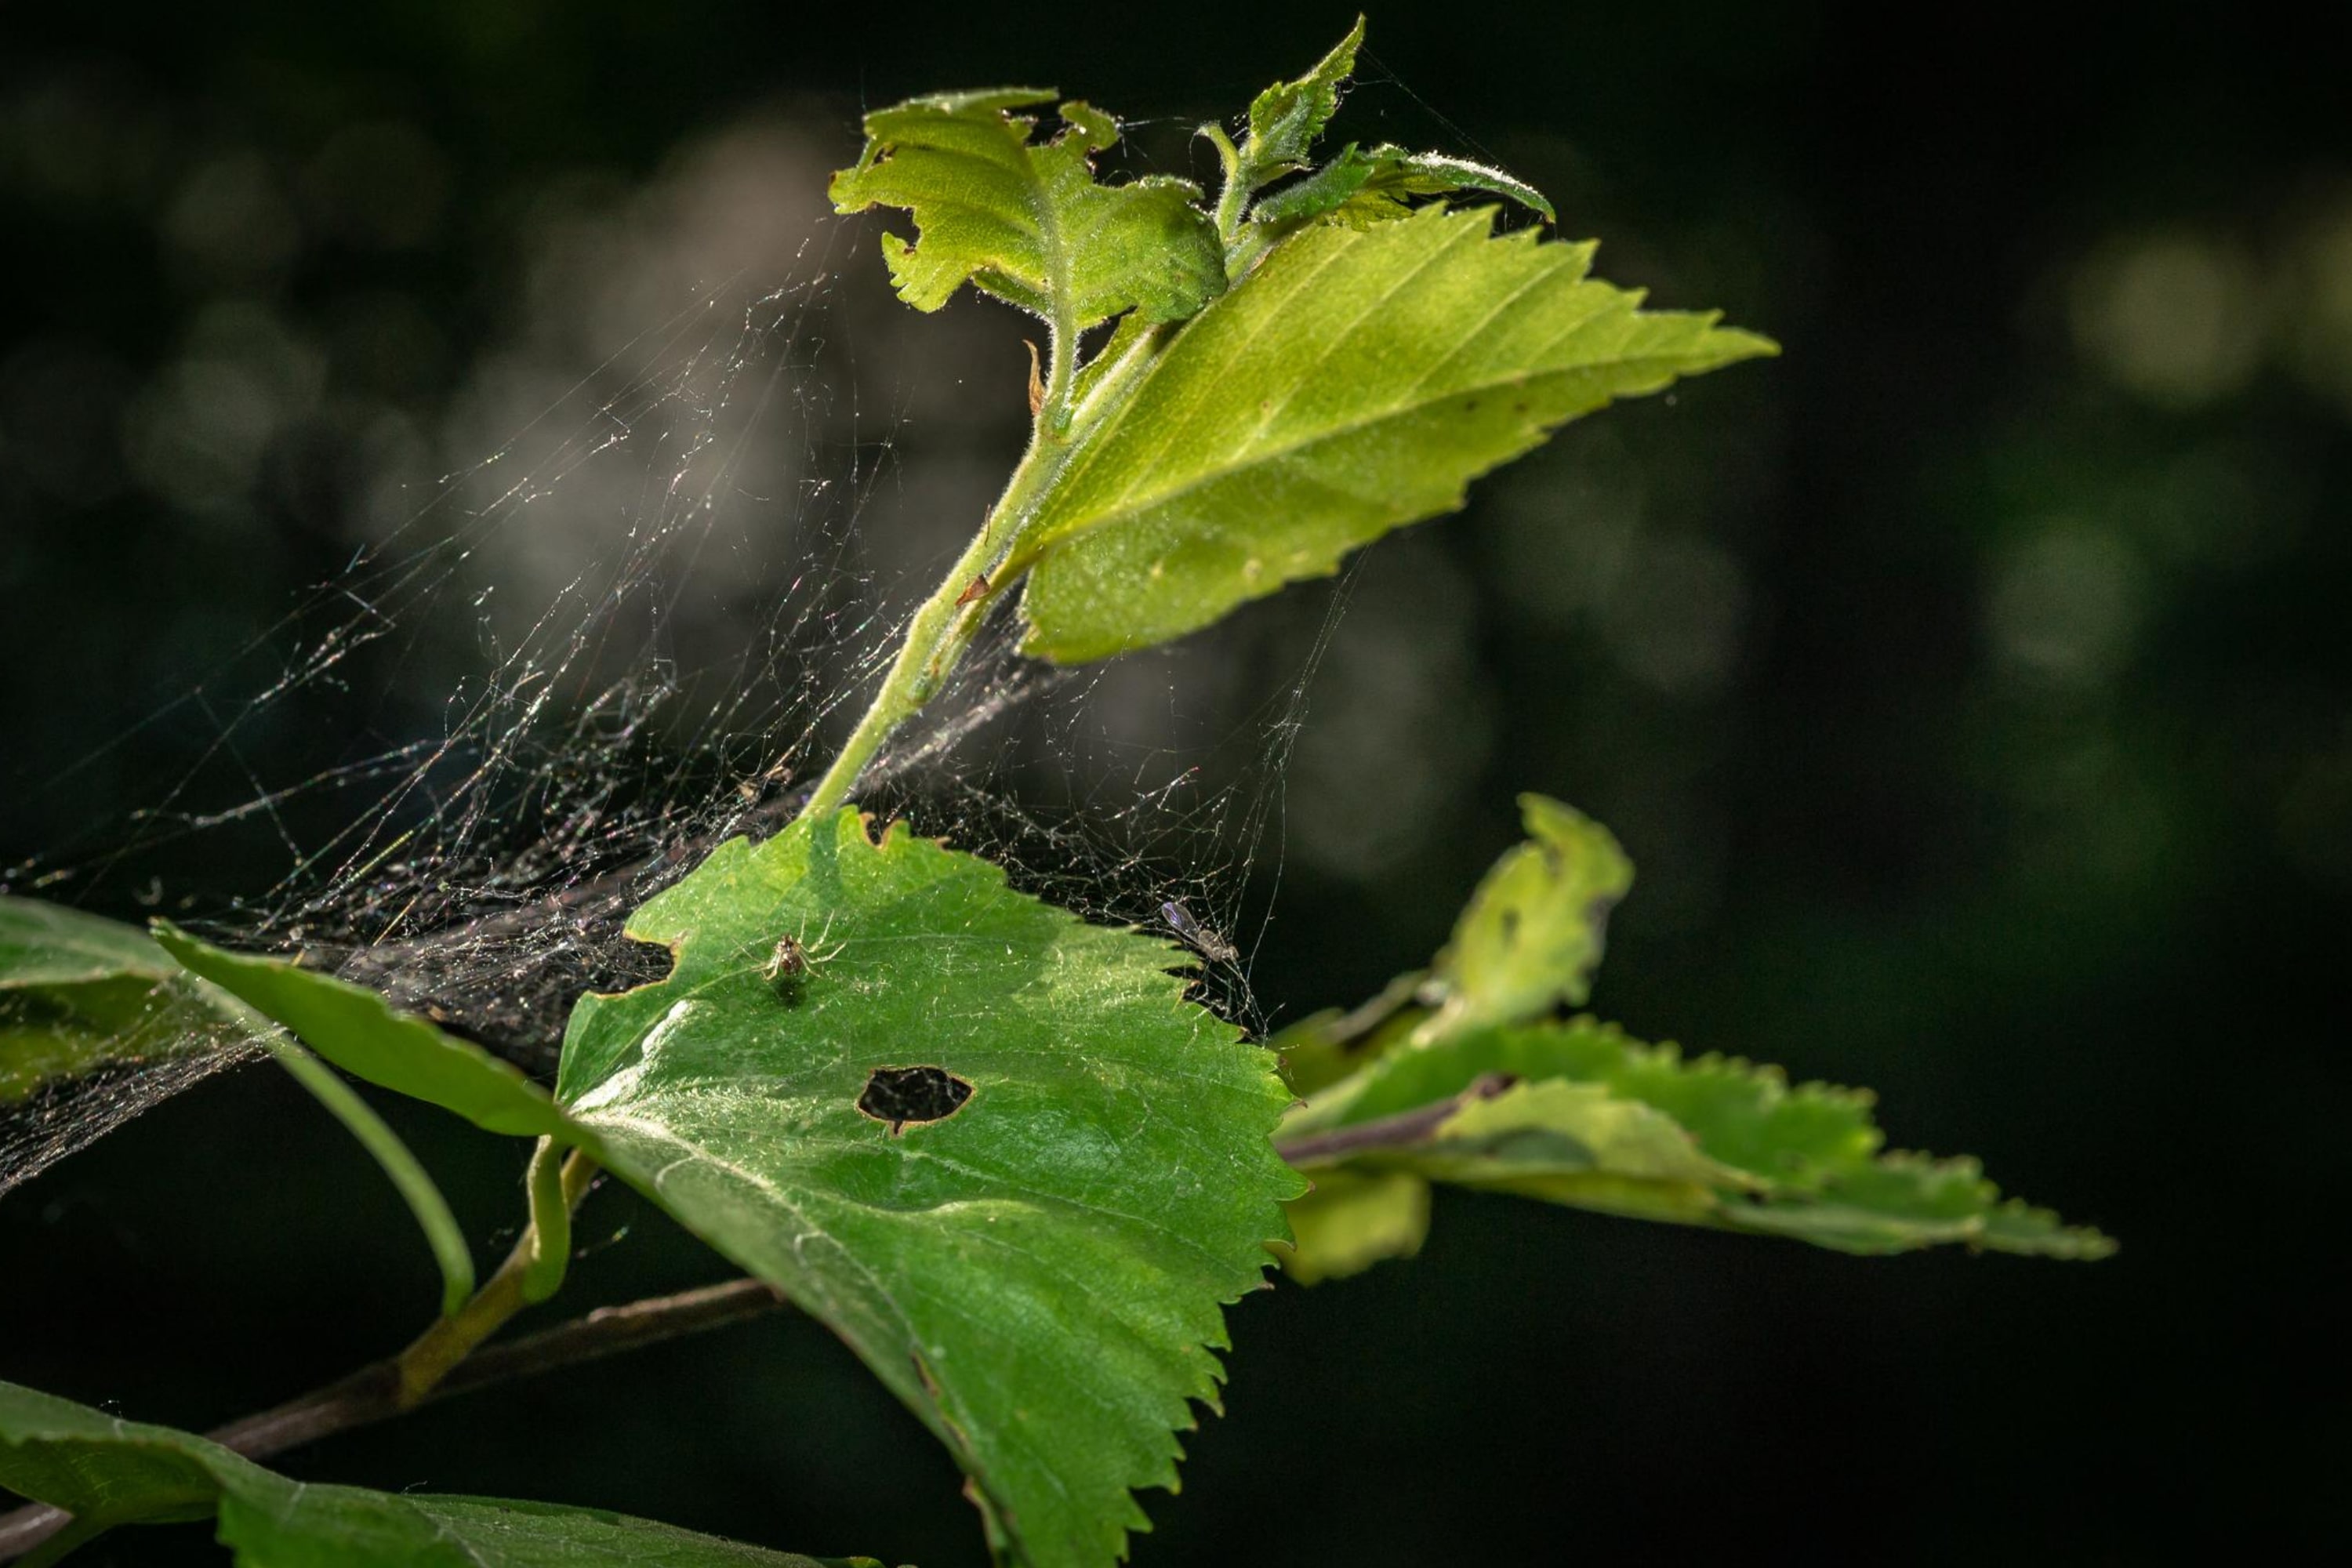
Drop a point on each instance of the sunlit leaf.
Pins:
(1356, 382)
(991, 1145)
(1578, 1113)
(1026, 220)
(78, 994)
(1532, 934)
(107, 1472)
(359, 1031)
(1287, 119)
(1361, 187)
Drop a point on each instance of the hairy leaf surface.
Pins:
(1362, 187)
(991, 1145)
(1356, 382)
(1287, 119)
(1026, 221)
(106, 1471)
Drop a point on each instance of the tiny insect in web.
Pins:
(1200, 938)
(796, 956)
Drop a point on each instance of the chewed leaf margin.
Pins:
(1027, 221)
(990, 1144)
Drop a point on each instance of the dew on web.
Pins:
(682, 523)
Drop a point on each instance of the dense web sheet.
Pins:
(632, 630)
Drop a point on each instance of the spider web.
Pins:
(568, 668)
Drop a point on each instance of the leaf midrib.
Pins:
(1126, 509)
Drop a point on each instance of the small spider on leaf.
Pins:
(796, 956)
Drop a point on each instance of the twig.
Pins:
(1401, 1130)
(372, 1394)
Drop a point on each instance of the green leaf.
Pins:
(1324, 1048)
(1287, 119)
(1532, 934)
(1025, 221)
(107, 1472)
(333, 1527)
(992, 1146)
(1358, 188)
(78, 994)
(1464, 1076)
(1352, 1220)
(1354, 382)
(1578, 1113)
(359, 1031)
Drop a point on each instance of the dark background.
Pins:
(1972, 686)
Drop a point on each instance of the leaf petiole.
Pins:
(1235, 193)
(436, 1352)
(551, 1223)
(944, 626)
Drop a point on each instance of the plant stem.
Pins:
(69, 1538)
(1402, 1131)
(944, 625)
(372, 1394)
(935, 641)
(437, 1351)
(551, 1223)
(1236, 191)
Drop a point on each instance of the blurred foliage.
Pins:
(1972, 686)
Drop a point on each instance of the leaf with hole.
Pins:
(108, 1472)
(992, 1146)
(1356, 382)
(1534, 931)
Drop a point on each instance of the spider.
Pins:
(796, 955)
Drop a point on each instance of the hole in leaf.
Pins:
(905, 1097)
(627, 963)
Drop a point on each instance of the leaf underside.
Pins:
(1487, 1088)
(1596, 1120)
(106, 1471)
(361, 1032)
(1356, 382)
(1035, 1267)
